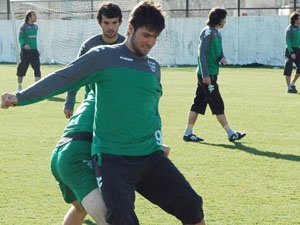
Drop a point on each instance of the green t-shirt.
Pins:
(210, 52)
(85, 47)
(127, 89)
(28, 35)
(292, 38)
(83, 118)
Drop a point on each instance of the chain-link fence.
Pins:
(198, 8)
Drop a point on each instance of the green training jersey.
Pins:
(28, 35)
(83, 118)
(85, 47)
(292, 38)
(210, 52)
(127, 89)
(95, 41)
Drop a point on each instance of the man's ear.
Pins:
(130, 29)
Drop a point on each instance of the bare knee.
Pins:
(75, 215)
(94, 205)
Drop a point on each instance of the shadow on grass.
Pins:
(56, 99)
(254, 151)
(89, 222)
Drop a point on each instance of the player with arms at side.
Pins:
(127, 137)
(109, 18)
(29, 53)
(292, 52)
(210, 55)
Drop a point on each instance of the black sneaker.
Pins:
(292, 89)
(236, 136)
(192, 138)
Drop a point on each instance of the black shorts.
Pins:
(289, 62)
(29, 57)
(206, 97)
(156, 178)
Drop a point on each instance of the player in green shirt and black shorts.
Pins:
(292, 52)
(29, 53)
(210, 56)
(127, 137)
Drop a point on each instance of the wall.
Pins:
(246, 40)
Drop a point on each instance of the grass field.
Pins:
(254, 181)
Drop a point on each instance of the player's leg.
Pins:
(36, 65)
(217, 107)
(287, 72)
(296, 76)
(198, 106)
(75, 215)
(72, 167)
(94, 205)
(22, 67)
(119, 176)
(165, 186)
(20, 81)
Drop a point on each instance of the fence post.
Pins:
(187, 8)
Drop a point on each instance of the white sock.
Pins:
(230, 132)
(188, 132)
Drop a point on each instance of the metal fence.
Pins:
(199, 8)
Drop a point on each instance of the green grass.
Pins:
(255, 181)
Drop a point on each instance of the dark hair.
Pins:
(147, 14)
(293, 17)
(109, 10)
(216, 15)
(27, 15)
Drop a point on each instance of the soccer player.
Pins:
(71, 165)
(109, 18)
(76, 192)
(292, 52)
(29, 53)
(127, 137)
(210, 55)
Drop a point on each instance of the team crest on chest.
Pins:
(152, 65)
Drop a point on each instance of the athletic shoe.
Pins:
(192, 138)
(292, 89)
(236, 136)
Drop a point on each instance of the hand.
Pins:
(293, 56)
(223, 61)
(8, 100)
(167, 150)
(27, 47)
(68, 113)
(206, 80)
